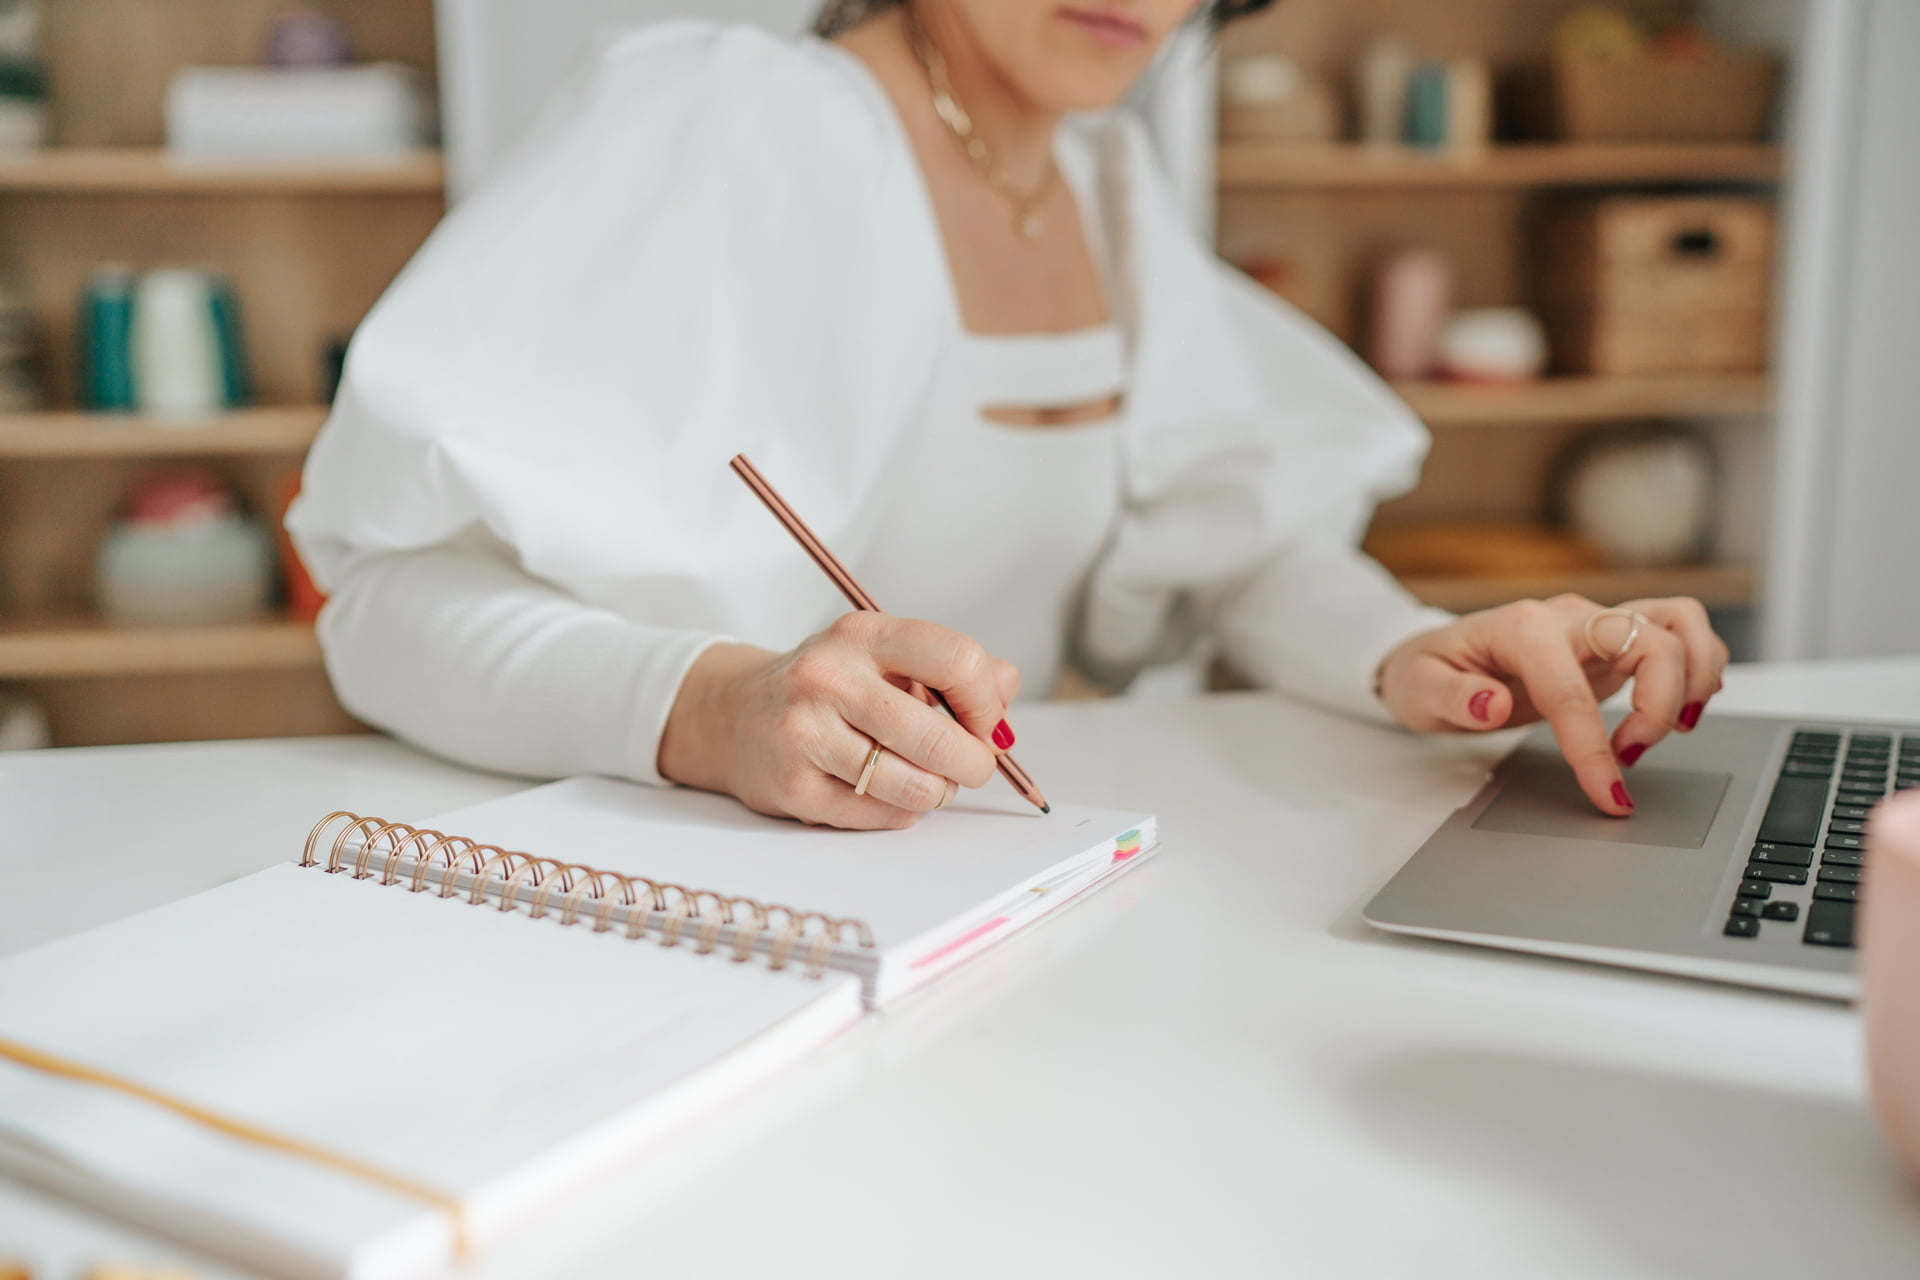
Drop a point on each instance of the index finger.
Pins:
(953, 663)
(1558, 688)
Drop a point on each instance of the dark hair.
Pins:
(837, 16)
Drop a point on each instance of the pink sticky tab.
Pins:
(971, 935)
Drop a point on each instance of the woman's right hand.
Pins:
(789, 734)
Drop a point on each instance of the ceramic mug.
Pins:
(1890, 971)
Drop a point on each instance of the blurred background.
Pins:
(1648, 269)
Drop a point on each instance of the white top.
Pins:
(1058, 487)
(718, 241)
(1211, 1068)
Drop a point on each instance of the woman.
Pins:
(975, 345)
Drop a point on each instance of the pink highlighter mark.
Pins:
(1126, 846)
(971, 935)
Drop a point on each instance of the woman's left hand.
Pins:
(1532, 660)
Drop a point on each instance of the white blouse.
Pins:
(718, 241)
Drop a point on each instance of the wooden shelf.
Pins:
(1337, 165)
(154, 169)
(1712, 585)
(1554, 400)
(272, 430)
(57, 648)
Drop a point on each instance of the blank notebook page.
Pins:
(950, 867)
(489, 1055)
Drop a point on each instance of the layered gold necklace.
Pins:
(1027, 222)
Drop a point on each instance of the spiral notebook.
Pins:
(372, 1060)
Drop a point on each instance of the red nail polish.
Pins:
(1632, 752)
(1478, 704)
(1003, 736)
(1620, 796)
(1690, 714)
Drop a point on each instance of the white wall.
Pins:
(1846, 447)
(500, 59)
(1872, 581)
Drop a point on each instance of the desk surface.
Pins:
(1210, 1068)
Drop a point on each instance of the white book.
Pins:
(485, 1029)
(375, 110)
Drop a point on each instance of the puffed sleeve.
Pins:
(1257, 446)
(520, 505)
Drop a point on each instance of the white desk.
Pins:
(1211, 1068)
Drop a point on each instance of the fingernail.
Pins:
(1630, 753)
(1478, 704)
(1003, 736)
(1620, 796)
(1690, 714)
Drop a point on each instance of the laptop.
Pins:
(1742, 861)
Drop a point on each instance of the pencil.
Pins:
(857, 597)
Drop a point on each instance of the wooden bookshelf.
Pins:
(65, 648)
(153, 170)
(1576, 399)
(1716, 586)
(308, 244)
(1337, 166)
(267, 431)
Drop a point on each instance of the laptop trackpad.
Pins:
(1673, 808)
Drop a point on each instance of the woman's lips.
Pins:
(1111, 29)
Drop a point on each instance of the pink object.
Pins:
(1890, 971)
(179, 496)
(971, 935)
(1412, 295)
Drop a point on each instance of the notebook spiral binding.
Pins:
(641, 904)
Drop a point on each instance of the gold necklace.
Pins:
(1027, 222)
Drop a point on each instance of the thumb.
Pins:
(1006, 678)
(1471, 701)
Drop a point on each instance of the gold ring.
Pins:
(1634, 623)
(866, 774)
(946, 796)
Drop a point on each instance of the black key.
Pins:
(1872, 777)
(1829, 924)
(1844, 842)
(1837, 892)
(1839, 875)
(1846, 827)
(1806, 769)
(1843, 858)
(1750, 907)
(1873, 740)
(1906, 784)
(1781, 911)
(1852, 812)
(1741, 927)
(1777, 874)
(1794, 812)
(1791, 855)
(1854, 792)
(1817, 735)
(1756, 889)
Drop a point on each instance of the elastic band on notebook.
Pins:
(51, 1064)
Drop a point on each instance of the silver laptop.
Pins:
(1742, 861)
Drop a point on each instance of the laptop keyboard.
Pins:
(1814, 832)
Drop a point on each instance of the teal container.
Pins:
(1427, 106)
(235, 375)
(106, 342)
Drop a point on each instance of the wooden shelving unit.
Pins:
(1318, 219)
(269, 431)
(1717, 586)
(308, 243)
(1564, 400)
(63, 648)
(152, 170)
(1355, 167)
